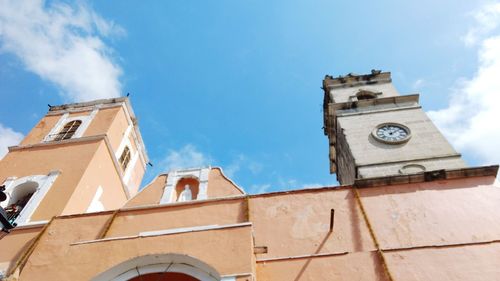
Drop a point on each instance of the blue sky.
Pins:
(237, 84)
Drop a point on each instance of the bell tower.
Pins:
(373, 131)
(80, 157)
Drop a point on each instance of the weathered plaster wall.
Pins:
(150, 194)
(220, 186)
(434, 213)
(100, 172)
(41, 129)
(102, 121)
(71, 159)
(177, 216)
(110, 121)
(45, 125)
(229, 250)
(117, 129)
(298, 223)
(414, 223)
(14, 245)
(136, 174)
(470, 263)
(354, 266)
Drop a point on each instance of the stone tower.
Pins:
(80, 158)
(374, 131)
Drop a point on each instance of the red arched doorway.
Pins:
(169, 267)
(164, 276)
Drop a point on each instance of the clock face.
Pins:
(391, 133)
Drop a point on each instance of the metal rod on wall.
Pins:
(332, 219)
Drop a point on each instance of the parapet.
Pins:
(352, 79)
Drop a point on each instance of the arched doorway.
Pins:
(171, 267)
(25, 194)
(19, 198)
(164, 276)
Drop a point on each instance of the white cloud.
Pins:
(472, 119)
(186, 157)
(255, 167)
(234, 166)
(259, 188)
(242, 162)
(62, 44)
(282, 184)
(486, 21)
(314, 185)
(418, 84)
(296, 184)
(8, 137)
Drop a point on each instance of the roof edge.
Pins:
(481, 171)
(87, 103)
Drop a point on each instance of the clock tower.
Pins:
(373, 131)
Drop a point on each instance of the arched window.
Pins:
(68, 130)
(19, 198)
(365, 95)
(125, 158)
(187, 185)
(25, 194)
(196, 178)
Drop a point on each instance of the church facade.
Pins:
(407, 208)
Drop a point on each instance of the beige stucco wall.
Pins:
(71, 159)
(178, 216)
(116, 135)
(45, 125)
(117, 129)
(415, 225)
(14, 245)
(101, 124)
(136, 175)
(354, 266)
(229, 250)
(434, 213)
(102, 172)
(150, 194)
(41, 129)
(98, 126)
(108, 121)
(220, 186)
(467, 262)
(298, 223)
(102, 121)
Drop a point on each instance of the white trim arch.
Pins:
(134, 156)
(65, 118)
(44, 183)
(161, 263)
(200, 174)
